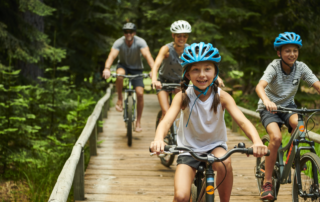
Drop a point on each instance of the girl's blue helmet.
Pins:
(287, 38)
(198, 52)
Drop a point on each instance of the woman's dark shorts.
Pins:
(136, 81)
(190, 161)
(279, 118)
(162, 80)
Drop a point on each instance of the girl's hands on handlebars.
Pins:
(259, 150)
(157, 146)
(156, 84)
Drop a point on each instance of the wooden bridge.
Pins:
(120, 173)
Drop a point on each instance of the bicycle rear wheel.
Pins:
(129, 123)
(260, 170)
(310, 176)
(167, 159)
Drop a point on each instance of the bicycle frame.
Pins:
(207, 184)
(129, 93)
(293, 156)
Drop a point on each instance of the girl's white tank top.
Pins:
(206, 130)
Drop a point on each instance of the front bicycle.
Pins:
(204, 190)
(171, 138)
(306, 176)
(129, 112)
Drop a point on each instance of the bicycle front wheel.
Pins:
(310, 175)
(129, 123)
(167, 159)
(260, 170)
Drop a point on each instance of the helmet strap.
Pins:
(291, 68)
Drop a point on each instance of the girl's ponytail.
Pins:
(216, 100)
(184, 86)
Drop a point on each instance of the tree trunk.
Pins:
(28, 70)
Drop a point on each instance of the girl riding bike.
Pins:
(202, 127)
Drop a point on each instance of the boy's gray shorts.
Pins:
(280, 118)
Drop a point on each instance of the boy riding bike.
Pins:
(278, 86)
(202, 127)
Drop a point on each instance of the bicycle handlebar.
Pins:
(173, 149)
(302, 110)
(130, 76)
(290, 110)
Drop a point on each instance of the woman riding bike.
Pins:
(169, 61)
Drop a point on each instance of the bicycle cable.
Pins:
(224, 175)
(314, 124)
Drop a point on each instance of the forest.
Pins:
(52, 53)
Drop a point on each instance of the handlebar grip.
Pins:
(268, 153)
(250, 151)
(167, 147)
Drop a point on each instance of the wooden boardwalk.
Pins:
(120, 173)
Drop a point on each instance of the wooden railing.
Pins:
(73, 169)
(311, 135)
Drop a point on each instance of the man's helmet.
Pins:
(287, 38)
(180, 26)
(129, 25)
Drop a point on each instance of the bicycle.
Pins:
(129, 112)
(202, 190)
(306, 179)
(171, 138)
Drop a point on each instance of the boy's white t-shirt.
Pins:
(206, 130)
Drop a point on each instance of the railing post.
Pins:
(107, 107)
(93, 142)
(234, 126)
(100, 130)
(78, 180)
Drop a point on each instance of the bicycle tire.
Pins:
(167, 159)
(193, 197)
(129, 123)
(312, 161)
(275, 174)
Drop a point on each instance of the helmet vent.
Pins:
(209, 53)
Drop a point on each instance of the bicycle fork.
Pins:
(209, 184)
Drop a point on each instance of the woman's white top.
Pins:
(206, 129)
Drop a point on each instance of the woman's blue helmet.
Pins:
(287, 38)
(198, 52)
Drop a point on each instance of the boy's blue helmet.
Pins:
(287, 38)
(198, 52)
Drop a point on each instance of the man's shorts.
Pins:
(190, 161)
(136, 81)
(279, 118)
(162, 80)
